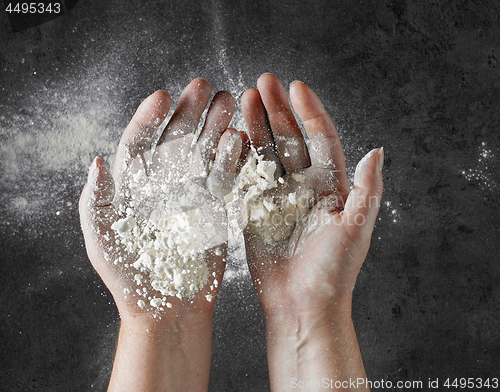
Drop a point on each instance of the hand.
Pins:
(172, 351)
(175, 165)
(315, 268)
(305, 280)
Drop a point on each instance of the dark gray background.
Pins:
(420, 78)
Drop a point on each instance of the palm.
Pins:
(304, 269)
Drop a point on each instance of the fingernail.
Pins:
(381, 158)
(92, 170)
(295, 81)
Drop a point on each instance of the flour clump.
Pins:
(266, 209)
(167, 224)
(167, 250)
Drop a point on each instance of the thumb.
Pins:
(363, 202)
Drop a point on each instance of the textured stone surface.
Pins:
(420, 78)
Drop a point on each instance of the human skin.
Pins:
(172, 350)
(305, 282)
(306, 295)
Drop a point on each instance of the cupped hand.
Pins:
(312, 271)
(176, 168)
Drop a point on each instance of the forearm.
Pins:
(157, 356)
(312, 354)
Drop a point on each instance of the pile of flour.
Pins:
(264, 208)
(170, 248)
(170, 254)
(169, 243)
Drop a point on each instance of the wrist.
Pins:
(308, 326)
(172, 353)
(172, 329)
(312, 315)
(312, 347)
(166, 322)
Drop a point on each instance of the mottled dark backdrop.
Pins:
(420, 78)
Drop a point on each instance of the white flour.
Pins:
(265, 208)
(169, 223)
(166, 253)
(169, 243)
(48, 139)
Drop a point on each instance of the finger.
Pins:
(100, 186)
(325, 149)
(96, 210)
(97, 214)
(218, 118)
(290, 144)
(228, 152)
(245, 148)
(363, 202)
(138, 135)
(221, 179)
(187, 114)
(258, 129)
